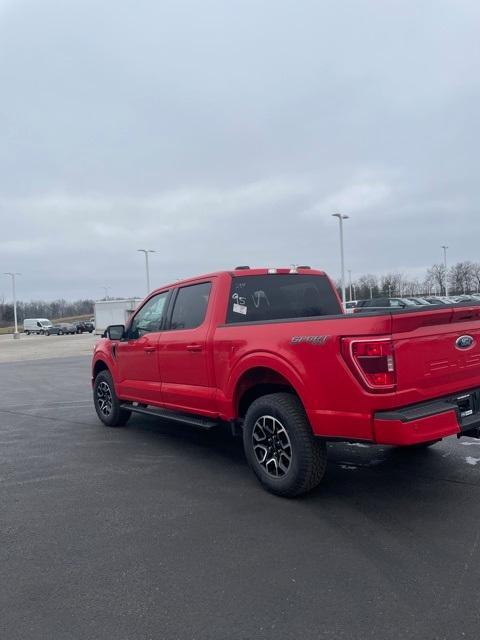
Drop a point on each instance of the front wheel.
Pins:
(280, 447)
(107, 405)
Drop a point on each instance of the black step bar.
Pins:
(164, 414)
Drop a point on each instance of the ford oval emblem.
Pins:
(464, 342)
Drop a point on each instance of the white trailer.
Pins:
(109, 312)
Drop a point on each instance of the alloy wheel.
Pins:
(272, 446)
(104, 398)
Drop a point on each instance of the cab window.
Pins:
(150, 317)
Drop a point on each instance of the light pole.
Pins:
(12, 274)
(350, 283)
(106, 289)
(341, 217)
(146, 252)
(445, 247)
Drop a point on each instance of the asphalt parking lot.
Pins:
(159, 531)
(36, 347)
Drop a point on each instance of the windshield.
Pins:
(281, 296)
(45, 323)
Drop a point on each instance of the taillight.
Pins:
(373, 360)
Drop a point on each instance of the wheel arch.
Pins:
(260, 377)
(100, 365)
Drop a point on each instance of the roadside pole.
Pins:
(12, 274)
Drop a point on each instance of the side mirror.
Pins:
(115, 332)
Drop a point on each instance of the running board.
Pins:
(194, 421)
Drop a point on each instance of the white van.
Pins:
(37, 325)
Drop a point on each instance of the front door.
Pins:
(184, 359)
(137, 356)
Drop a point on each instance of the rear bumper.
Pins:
(453, 415)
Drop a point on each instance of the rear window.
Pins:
(280, 296)
(191, 306)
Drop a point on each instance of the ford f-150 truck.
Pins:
(271, 353)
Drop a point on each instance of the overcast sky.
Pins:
(226, 132)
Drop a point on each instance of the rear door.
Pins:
(184, 354)
(137, 357)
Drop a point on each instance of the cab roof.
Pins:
(240, 271)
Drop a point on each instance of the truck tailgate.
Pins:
(430, 361)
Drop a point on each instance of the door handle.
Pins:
(194, 347)
(149, 349)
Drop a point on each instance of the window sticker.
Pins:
(239, 304)
(239, 308)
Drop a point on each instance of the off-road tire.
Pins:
(113, 415)
(308, 454)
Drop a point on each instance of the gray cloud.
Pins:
(227, 132)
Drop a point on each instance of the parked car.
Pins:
(467, 297)
(440, 300)
(63, 328)
(350, 306)
(418, 300)
(377, 304)
(84, 326)
(272, 355)
(40, 326)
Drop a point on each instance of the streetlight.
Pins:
(445, 247)
(12, 274)
(341, 217)
(106, 289)
(146, 252)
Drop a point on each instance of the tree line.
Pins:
(42, 309)
(461, 278)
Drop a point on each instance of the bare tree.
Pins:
(435, 278)
(461, 277)
(476, 276)
(367, 287)
(391, 284)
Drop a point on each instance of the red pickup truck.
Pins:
(270, 352)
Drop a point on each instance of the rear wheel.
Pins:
(107, 405)
(60, 333)
(27, 333)
(280, 447)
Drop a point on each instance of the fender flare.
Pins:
(101, 356)
(266, 360)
